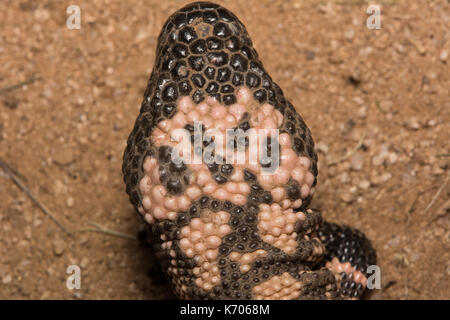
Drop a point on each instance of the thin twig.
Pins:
(378, 105)
(443, 155)
(104, 230)
(436, 195)
(30, 194)
(441, 212)
(349, 154)
(19, 85)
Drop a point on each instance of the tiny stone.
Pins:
(443, 164)
(386, 176)
(412, 124)
(322, 147)
(310, 55)
(357, 162)
(399, 48)
(349, 34)
(7, 279)
(78, 295)
(59, 247)
(362, 112)
(408, 146)
(392, 157)
(344, 178)
(37, 223)
(41, 15)
(45, 295)
(332, 171)
(59, 187)
(84, 263)
(364, 184)
(64, 156)
(141, 35)
(70, 201)
(132, 287)
(444, 55)
(358, 100)
(23, 245)
(386, 105)
(437, 170)
(394, 242)
(379, 179)
(377, 161)
(431, 123)
(346, 197)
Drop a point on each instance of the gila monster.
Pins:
(227, 230)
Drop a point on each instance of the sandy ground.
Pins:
(385, 91)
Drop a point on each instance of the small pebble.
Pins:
(357, 162)
(362, 112)
(392, 157)
(377, 161)
(444, 55)
(84, 262)
(386, 105)
(358, 100)
(364, 184)
(132, 287)
(7, 279)
(70, 201)
(310, 55)
(349, 34)
(46, 295)
(442, 163)
(64, 156)
(436, 170)
(344, 178)
(412, 124)
(380, 179)
(59, 247)
(346, 196)
(322, 147)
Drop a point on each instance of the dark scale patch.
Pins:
(260, 95)
(187, 35)
(210, 73)
(174, 176)
(223, 74)
(185, 88)
(229, 99)
(204, 50)
(198, 80)
(214, 44)
(198, 47)
(217, 58)
(196, 62)
(347, 245)
(349, 288)
(293, 189)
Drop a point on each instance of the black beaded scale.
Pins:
(347, 245)
(204, 50)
